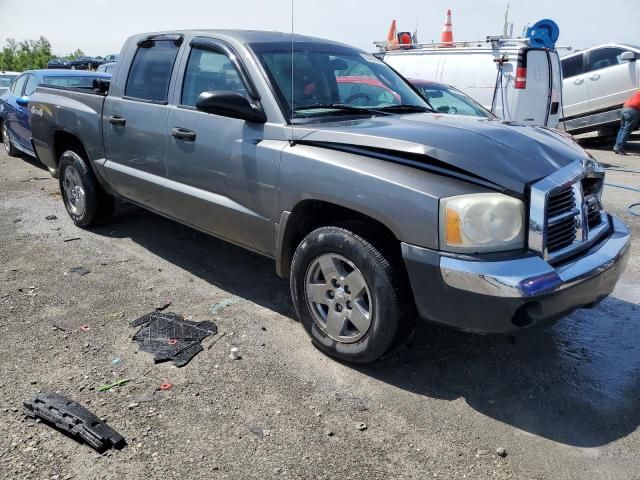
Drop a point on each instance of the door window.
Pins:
(17, 87)
(209, 71)
(572, 66)
(151, 69)
(32, 83)
(604, 57)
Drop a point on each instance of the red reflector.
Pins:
(521, 77)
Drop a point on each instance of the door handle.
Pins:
(594, 77)
(183, 134)
(578, 81)
(117, 121)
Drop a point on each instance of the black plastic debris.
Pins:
(51, 217)
(169, 337)
(80, 270)
(73, 418)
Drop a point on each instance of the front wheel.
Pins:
(85, 200)
(347, 295)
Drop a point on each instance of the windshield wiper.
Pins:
(406, 108)
(339, 108)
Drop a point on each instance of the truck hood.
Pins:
(505, 154)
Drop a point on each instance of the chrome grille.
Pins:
(561, 218)
(566, 213)
(561, 201)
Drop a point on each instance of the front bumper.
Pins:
(506, 295)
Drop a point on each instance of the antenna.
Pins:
(505, 32)
(292, 141)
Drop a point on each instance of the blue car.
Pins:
(14, 111)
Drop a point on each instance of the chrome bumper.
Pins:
(532, 276)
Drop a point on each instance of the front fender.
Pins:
(404, 199)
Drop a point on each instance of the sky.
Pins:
(100, 28)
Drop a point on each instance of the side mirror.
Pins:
(628, 56)
(230, 104)
(23, 101)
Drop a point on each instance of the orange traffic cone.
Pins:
(392, 38)
(447, 32)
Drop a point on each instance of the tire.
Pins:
(339, 253)
(85, 200)
(6, 140)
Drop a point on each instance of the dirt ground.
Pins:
(564, 402)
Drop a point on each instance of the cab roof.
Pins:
(247, 36)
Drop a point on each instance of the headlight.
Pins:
(481, 222)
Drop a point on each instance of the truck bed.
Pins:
(76, 111)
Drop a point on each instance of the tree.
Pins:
(28, 54)
(72, 56)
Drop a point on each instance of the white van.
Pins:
(507, 76)
(597, 81)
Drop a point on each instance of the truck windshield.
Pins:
(71, 81)
(328, 80)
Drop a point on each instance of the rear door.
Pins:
(222, 173)
(610, 81)
(555, 109)
(575, 97)
(135, 121)
(531, 104)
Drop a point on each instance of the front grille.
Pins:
(591, 190)
(594, 217)
(562, 223)
(560, 202)
(566, 215)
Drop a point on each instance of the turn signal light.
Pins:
(453, 227)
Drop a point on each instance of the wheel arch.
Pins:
(309, 215)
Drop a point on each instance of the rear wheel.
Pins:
(347, 295)
(85, 200)
(6, 140)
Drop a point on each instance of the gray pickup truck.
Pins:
(322, 157)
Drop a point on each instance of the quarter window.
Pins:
(150, 72)
(32, 83)
(209, 71)
(604, 57)
(572, 66)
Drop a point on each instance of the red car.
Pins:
(365, 91)
(448, 99)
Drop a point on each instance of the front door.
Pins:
(575, 98)
(14, 114)
(134, 124)
(222, 174)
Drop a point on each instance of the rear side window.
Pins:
(150, 72)
(209, 71)
(17, 87)
(572, 66)
(32, 83)
(604, 57)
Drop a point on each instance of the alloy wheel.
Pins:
(339, 298)
(74, 192)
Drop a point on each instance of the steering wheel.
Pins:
(358, 96)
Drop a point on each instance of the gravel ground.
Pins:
(564, 402)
